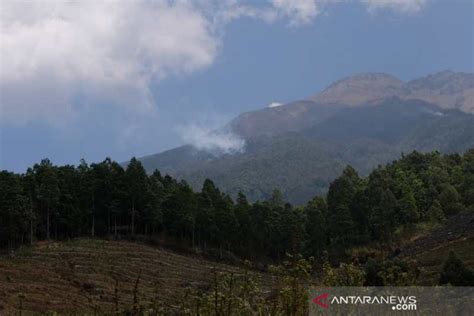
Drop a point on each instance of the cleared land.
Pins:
(82, 276)
(430, 251)
(87, 276)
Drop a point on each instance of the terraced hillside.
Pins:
(89, 276)
(431, 250)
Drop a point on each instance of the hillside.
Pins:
(446, 89)
(90, 275)
(429, 251)
(302, 163)
(298, 165)
(82, 275)
(417, 208)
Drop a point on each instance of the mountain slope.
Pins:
(179, 158)
(446, 89)
(297, 165)
(360, 89)
(302, 164)
(291, 117)
(300, 147)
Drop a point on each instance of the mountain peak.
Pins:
(447, 89)
(360, 88)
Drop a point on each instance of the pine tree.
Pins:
(450, 200)
(244, 222)
(316, 226)
(136, 190)
(14, 209)
(340, 196)
(48, 191)
(407, 205)
(455, 272)
(435, 212)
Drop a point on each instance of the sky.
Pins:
(95, 79)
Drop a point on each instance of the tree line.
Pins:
(105, 199)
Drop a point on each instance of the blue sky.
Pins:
(78, 81)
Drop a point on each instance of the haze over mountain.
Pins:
(446, 89)
(363, 120)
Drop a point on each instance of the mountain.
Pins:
(290, 117)
(300, 147)
(360, 89)
(181, 158)
(447, 89)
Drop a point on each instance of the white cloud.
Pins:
(215, 141)
(55, 53)
(299, 12)
(402, 6)
(60, 59)
(275, 104)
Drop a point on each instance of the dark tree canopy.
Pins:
(105, 199)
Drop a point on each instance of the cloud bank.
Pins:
(63, 60)
(402, 6)
(56, 54)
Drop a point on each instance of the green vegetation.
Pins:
(455, 272)
(300, 155)
(355, 227)
(105, 200)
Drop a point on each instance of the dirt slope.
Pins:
(79, 276)
(431, 251)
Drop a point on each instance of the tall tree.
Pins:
(407, 205)
(136, 187)
(244, 220)
(14, 208)
(48, 190)
(340, 196)
(450, 200)
(316, 226)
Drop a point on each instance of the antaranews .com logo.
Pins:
(391, 301)
(402, 303)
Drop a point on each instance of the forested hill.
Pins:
(300, 147)
(103, 199)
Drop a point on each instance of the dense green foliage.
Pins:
(103, 199)
(301, 158)
(455, 272)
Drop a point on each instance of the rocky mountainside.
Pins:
(364, 121)
(447, 90)
(360, 89)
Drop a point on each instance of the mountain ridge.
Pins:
(301, 146)
(447, 89)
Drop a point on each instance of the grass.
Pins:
(89, 276)
(431, 261)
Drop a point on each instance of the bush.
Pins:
(455, 272)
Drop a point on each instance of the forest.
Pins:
(104, 199)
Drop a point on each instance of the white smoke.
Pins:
(215, 141)
(275, 104)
